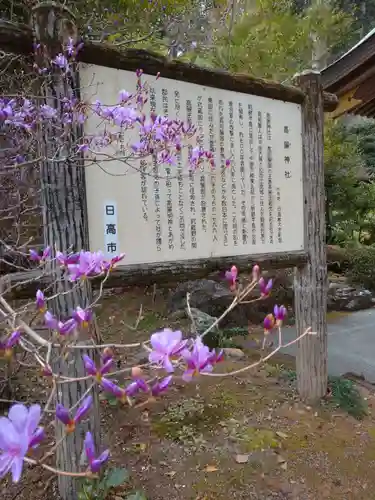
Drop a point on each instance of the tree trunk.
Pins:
(311, 280)
(65, 225)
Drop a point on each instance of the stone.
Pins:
(231, 352)
(213, 298)
(343, 297)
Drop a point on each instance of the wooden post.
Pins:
(65, 222)
(311, 279)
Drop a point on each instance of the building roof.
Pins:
(352, 79)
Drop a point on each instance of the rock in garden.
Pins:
(342, 297)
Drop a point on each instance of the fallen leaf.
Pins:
(210, 468)
(241, 459)
(281, 434)
(172, 473)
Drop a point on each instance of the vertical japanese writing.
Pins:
(270, 178)
(244, 228)
(180, 183)
(202, 179)
(168, 182)
(279, 216)
(261, 178)
(212, 148)
(252, 176)
(224, 205)
(270, 194)
(287, 158)
(233, 175)
(193, 218)
(144, 195)
(155, 173)
(110, 229)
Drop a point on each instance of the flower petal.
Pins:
(83, 409)
(33, 419)
(18, 415)
(167, 364)
(62, 414)
(8, 434)
(16, 467)
(89, 447)
(89, 365)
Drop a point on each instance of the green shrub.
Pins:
(362, 267)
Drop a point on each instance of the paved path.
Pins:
(351, 344)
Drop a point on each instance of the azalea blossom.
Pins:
(19, 432)
(166, 344)
(97, 371)
(265, 288)
(280, 314)
(232, 276)
(255, 272)
(82, 316)
(62, 327)
(95, 463)
(63, 414)
(9, 343)
(199, 359)
(40, 301)
(36, 257)
(161, 386)
(138, 385)
(268, 323)
(116, 391)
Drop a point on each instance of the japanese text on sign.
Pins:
(169, 213)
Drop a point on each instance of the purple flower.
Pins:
(63, 414)
(61, 61)
(280, 314)
(82, 316)
(113, 389)
(265, 289)
(94, 463)
(34, 255)
(161, 386)
(51, 321)
(62, 327)
(255, 272)
(40, 301)
(232, 276)
(166, 344)
(89, 264)
(199, 360)
(268, 323)
(66, 327)
(134, 387)
(18, 433)
(7, 345)
(64, 260)
(95, 371)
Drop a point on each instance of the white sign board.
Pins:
(169, 213)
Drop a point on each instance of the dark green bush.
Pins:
(362, 267)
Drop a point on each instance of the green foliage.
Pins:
(185, 421)
(346, 396)
(272, 40)
(350, 197)
(100, 488)
(362, 266)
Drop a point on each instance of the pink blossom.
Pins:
(165, 345)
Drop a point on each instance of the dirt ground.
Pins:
(244, 437)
